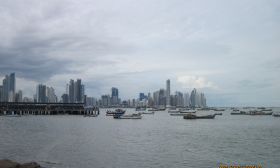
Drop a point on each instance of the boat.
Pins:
(148, 112)
(187, 111)
(218, 113)
(219, 109)
(179, 114)
(116, 112)
(276, 115)
(129, 116)
(259, 113)
(192, 116)
(239, 113)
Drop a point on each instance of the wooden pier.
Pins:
(23, 108)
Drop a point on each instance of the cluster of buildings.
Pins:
(8, 89)
(75, 93)
(161, 98)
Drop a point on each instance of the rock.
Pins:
(8, 164)
(11, 164)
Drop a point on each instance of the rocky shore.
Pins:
(11, 164)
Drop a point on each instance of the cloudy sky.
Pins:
(227, 49)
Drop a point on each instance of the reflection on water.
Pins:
(157, 140)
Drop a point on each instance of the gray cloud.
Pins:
(136, 45)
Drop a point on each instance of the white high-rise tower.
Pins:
(168, 93)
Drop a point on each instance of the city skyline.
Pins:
(232, 56)
(75, 93)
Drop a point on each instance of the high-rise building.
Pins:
(193, 98)
(9, 87)
(71, 91)
(65, 98)
(1, 93)
(18, 96)
(75, 91)
(51, 97)
(179, 99)
(115, 96)
(105, 100)
(186, 100)
(41, 93)
(168, 93)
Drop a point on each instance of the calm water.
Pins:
(157, 140)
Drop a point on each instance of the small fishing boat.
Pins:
(178, 114)
(116, 112)
(148, 112)
(276, 114)
(129, 116)
(192, 116)
(239, 113)
(188, 111)
(259, 113)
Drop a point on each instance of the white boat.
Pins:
(148, 112)
(130, 116)
(188, 111)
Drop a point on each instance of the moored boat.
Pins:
(116, 112)
(192, 116)
(188, 111)
(152, 112)
(239, 113)
(218, 113)
(129, 116)
(276, 114)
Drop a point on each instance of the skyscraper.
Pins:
(41, 93)
(115, 96)
(168, 93)
(51, 97)
(18, 96)
(12, 87)
(1, 93)
(193, 98)
(9, 87)
(75, 91)
(71, 91)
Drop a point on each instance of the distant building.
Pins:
(105, 101)
(8, 88)
(18, 96)
(41, 93)
(186, 100)
(168, 93)
(51, 97)
(197, 99)
(65, 98)
(179, 99)
(1, 93)
(75, 91)
(115, 96)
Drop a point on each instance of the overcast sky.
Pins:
(229, 49)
